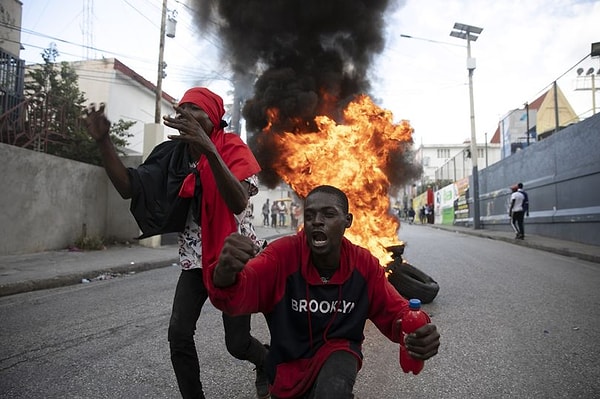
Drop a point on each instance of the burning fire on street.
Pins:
(301, 70)
(352, 156)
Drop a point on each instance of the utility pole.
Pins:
(161, 62)
(471, 33)
(154, 132)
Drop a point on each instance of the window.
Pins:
(443, 153)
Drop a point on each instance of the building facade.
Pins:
(11, 67)
(453, 161)
(127, 95)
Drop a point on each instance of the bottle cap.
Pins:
(414, 304)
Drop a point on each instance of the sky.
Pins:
(423, 78)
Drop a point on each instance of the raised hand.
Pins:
(96, 122)
(236, 252)
(192, 130)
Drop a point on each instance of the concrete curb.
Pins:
(525, 243)
(77, 277)
(555, 250)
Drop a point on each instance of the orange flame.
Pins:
(351, 157)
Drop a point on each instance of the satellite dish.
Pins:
(579, 71)
(590, 71)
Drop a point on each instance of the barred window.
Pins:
(443, 153)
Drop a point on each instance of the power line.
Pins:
(540, 92)
(180, 72)
(546, 88)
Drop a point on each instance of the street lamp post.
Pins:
(527, 118)
(471, 33)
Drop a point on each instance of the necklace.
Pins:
(325, 274)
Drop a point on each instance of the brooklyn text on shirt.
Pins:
(315, 306)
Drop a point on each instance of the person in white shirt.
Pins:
(516, 212)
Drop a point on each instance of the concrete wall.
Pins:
(46, 201)
(561, 174)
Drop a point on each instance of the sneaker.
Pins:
(262, 384)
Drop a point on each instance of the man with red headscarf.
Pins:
(197, 184)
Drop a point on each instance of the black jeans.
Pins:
(190, 296)
(518, 222)
(336, 378)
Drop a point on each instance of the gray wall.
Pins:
(45, 201)
(561, 175)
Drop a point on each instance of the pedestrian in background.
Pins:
(281, 210)
(274, 214)
(197, 184)
(411, 215)
(525, 199)
(295, 215)
(265, 213)
(317, 291)
(516, 213)
(429, 213)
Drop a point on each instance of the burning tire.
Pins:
(411, 282)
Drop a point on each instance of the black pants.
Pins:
(517, 223)
(190, 296)
(336, 378)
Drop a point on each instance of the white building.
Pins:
(127, 95)
(453, 161)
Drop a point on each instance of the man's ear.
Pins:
(349, 218)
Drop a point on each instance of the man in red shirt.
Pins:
(317, 291)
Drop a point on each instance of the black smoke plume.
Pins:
(303, 58)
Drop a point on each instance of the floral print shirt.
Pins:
(190, 240)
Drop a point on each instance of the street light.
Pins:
(584, 86)
(595, 53)
(471, 33)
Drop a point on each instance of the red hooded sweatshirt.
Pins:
(307, 318)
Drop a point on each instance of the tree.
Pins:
(56, 106)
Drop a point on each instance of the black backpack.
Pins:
(525, 202)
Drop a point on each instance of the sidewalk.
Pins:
(51, 269)
(590, 253)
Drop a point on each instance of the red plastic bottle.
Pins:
(414, 319)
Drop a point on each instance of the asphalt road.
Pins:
(515, 323)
